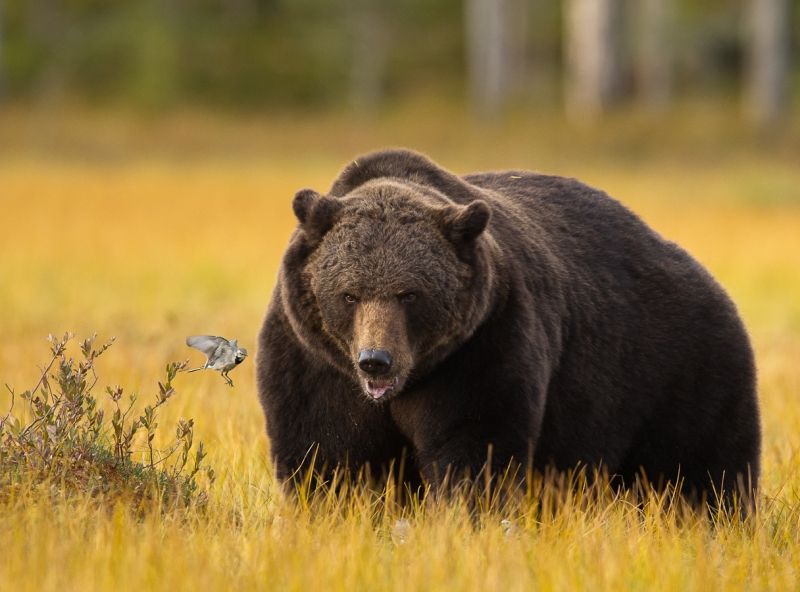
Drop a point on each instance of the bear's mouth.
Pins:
(378, 388)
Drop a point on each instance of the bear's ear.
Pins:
(316, 213)
(463, 224)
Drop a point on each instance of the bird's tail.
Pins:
(196, 369)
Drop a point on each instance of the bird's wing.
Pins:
(207, 344)
(234, 344)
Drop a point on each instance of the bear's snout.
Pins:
(375, 361)
(380, 348)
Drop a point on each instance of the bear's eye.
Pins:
(349, 298)
(407, 297)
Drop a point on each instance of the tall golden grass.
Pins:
(154, 248)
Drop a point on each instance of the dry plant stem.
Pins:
(10, 409)
(58, 350)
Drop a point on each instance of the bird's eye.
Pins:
(407, 297)
(349, 298)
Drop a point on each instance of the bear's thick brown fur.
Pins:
(442, 315)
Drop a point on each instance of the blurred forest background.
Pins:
(583, 57)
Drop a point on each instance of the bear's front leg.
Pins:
(459, 432)
(462, 456)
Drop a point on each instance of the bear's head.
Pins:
(389, 279)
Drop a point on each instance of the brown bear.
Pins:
(423, 315)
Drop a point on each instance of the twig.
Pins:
(10, 409)
(44, 373)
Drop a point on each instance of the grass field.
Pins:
(152, 245)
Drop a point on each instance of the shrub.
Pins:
(71, 442)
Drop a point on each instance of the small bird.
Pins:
(221, 355)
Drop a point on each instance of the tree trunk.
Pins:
(545, 69)
(519, 16)
(654, 60)
(370, 53)
(47, 22)
(767, 59)
(2, 53)
(488, 55)
(592, 48)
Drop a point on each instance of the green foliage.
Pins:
(71, 442)
(251, 53)
(152, 54)
(255, 53)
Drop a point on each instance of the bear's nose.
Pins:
(374, 361)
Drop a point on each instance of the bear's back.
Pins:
(595, 242)
(571, 216)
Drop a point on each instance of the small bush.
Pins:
(74, 444)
